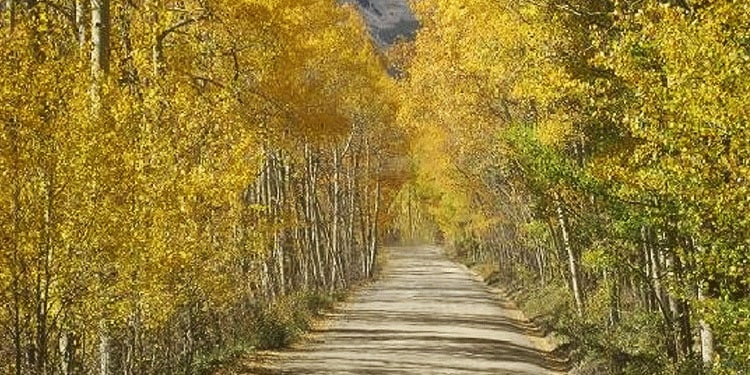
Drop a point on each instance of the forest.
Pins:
(187, 181)
(180, 178)
(596, 156)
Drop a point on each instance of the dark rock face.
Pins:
(388, 20)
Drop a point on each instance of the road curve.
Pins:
(426, 315)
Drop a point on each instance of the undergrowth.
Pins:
(274, 326)
(632, 346)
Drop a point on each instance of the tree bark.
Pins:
(66, 344)
(658, 288)
(648, 296)
(614, 298)
(100, 29)
(16, 248)
(336, 194)
(99, 70)
(351, 177)
(374, 231)
(706, 334)
(44, 277)
(365, 213)
(10, 9)
(572, 259)
(80, 19)
(105, 349)
(316, 235)
(677, 306)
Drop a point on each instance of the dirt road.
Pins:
(427, 315)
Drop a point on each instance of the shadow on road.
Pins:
(426, 315)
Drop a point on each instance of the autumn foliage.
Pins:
(597, 149)
(173, 172)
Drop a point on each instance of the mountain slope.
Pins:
(388, 19)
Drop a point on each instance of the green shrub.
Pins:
(207, 363)
(279, 324)
(317, 302)
(548, 304)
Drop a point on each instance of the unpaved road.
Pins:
(427, 315)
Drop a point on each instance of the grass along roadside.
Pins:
(275, 326)
(587, 344)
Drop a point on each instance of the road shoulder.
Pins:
(547, 343)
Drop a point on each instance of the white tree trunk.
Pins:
(572, 261)
(105, 348)
(351, 175)
(707, 335)
(374, 231)
(65, 345)
(99, 70)
(336, 208)
(80, 18)
(656, 276)
(99, 38)
(706, 332)
(10, 10)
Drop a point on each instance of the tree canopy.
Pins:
(603, 146)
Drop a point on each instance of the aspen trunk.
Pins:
(677, 306)
(706, 331)
(662, 266)
(304, 258)
(189, 342)
(66, 346)
(659, 293)
(675, 312)
(541, 263)
(265, 281)
(80, 20)
(99, 70)
(105, 349)
(409, 217)
(335, 250)
(706, 334)
(648, 296)
(128, 72)
(572, 261)
(374, 231)
(157, 50)
(305, 206)
(350, 215)
(275, 178)
(16, 213)
(317, 247)
(10, 9)
(44, 277)
(269, 261)
(366, 231)
(134, 354)
(289, 263)
(614, 299)
(100, 28)
(655, 274)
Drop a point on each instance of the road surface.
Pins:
(426, 315)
